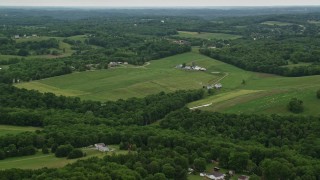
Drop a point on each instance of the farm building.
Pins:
(214, 175)
(101, 147)
(195, 68)
(181, 42)
(215, 86)
(218, 86)
(16, 36)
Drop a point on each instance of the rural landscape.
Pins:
(157, 94)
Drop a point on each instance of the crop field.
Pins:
(5, 129)
(206, 35)
(276, 23)
(41, 160)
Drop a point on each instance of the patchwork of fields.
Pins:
(206, 35)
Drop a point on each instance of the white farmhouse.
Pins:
(101, 147)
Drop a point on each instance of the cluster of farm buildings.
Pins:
(24, 36)
(194, 68)
(114, 64)
(217, 175)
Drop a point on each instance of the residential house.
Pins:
(101, 147)
(216, 175)
(16, 36)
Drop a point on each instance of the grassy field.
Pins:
(276, 23)
(262, 93)
(5, 129)
(62, 45)
(206, 35)
(41, 160)
(314, 22)
(125, 82)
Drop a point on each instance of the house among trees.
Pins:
(215, 86)
(16, 36)
(101, 147)
(181, 42)
(216, 176)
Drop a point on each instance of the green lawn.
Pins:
(41, 160)
(5, 129)
(206, 35)
(276, 23)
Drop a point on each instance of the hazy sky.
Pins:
(157, 2)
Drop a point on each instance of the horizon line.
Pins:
(153, 7)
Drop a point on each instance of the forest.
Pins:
(164, 139)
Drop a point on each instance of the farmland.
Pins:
(40, 160)
(276, 23)
(64, 48)
(5, 129)
(129, 81)
(262, 93)
(206, 35)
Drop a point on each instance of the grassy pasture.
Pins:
(126, 82)
(40, 160)
(262, 93)
(62, 45)
(206, 35)
(276, 23)
(5, 129)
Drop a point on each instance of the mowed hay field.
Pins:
(40, 160)
(206, 35)
(5, 129)
(265, 94)
(125, 82)
(262, 93)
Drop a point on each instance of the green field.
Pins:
(276, 23)
(41, 160)
(314, 22)
(262, 93)
(5, 129)
(62, 45)
(292, 65)
(206, 35)
(125, 82)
